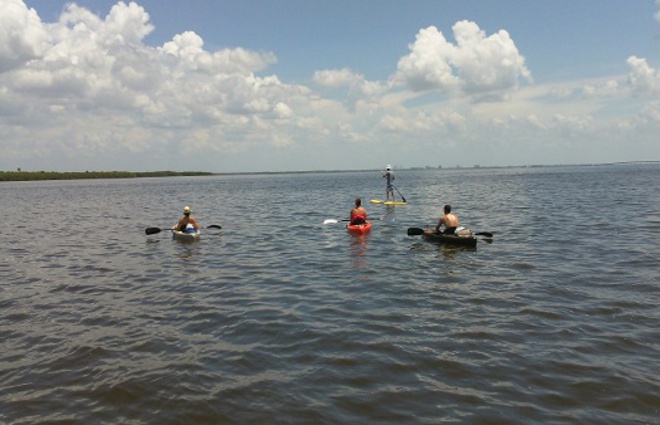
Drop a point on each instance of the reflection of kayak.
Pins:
(185, 237)
(390, 203)
(359, 229)
(468, 240)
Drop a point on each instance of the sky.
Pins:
(300, 85)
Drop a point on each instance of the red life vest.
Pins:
(358, 219)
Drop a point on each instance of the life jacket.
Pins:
(358, 219)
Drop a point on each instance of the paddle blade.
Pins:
(415, 231)
(486, 234)
(214, 226)
(330, 221)
(152, 230)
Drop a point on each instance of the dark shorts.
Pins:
(359, 220)
(449, 231)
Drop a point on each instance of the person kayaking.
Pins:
(449, 220)
(187, 223)
(389, 175)
(358, 213)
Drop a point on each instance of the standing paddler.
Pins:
(389, 175)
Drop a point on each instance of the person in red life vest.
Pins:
(358, 214)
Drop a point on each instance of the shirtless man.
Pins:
(358, 213)
(449, 220)
(186, 222)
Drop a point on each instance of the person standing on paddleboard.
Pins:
(187, 223)
(389, 175)
(358, 213)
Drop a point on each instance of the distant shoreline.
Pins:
(77, 175)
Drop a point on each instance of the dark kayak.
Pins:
(470, 240)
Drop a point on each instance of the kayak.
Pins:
(389, 203)
(467, 240)
(359, 229)
(185, 237)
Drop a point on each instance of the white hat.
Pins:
(389, 167)
(186, 210)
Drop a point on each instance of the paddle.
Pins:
(416, 231)
(154, 230)
(333, 221)
(397, 191)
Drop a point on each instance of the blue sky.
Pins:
(266, 85)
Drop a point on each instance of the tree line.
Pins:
(73, 175)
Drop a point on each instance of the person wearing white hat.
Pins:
(389, 175)
(187, 223)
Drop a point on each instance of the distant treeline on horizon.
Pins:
(74, 175)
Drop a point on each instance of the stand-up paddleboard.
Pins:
(389, 203)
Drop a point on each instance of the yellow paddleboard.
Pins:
(389, 203)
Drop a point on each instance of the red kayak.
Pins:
(359, 229)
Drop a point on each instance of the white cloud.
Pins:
(345, 78)
(188, 48)
(88, 88)
(336, 77)
(651, 112)
(475, 65)
(643, 78)
(610, 88)
(22, 37)
(429, 64)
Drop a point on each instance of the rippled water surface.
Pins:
(280, 319)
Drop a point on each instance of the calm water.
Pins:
(280, 319)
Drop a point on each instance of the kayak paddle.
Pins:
(333, 221)
(154, 230)
(416, 231)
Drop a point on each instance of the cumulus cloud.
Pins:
(22, 36)
(475, 65)
(345, 78)
(643, 78)
(84, 64)
(189, 49)
(88, 87)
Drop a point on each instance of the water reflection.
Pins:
(390, 214)
(187, 249)
(449, 252)
(358, 249)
